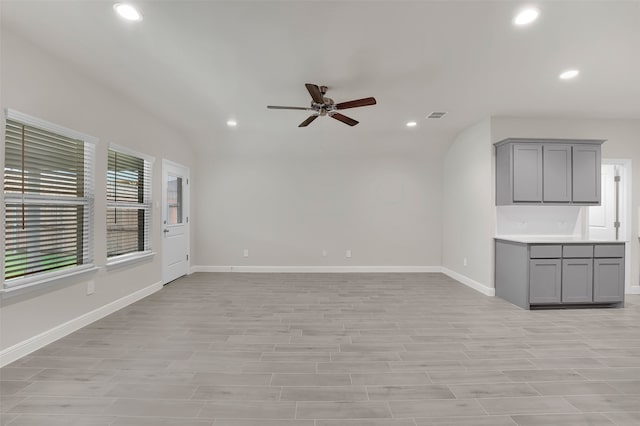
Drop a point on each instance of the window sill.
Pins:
(34, 283)
(127, 259)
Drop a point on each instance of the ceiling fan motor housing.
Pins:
(323, 106)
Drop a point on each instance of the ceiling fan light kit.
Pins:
(321, 105)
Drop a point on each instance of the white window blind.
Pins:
(128, 203)
(48, 199)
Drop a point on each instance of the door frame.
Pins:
(186, 212)
(626, 217)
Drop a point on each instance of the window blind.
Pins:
(48, 196)
(128, 203)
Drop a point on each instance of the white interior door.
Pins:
(175, 221)
(602, 218)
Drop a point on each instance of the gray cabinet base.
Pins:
(512, 273)
(514, 276)
(578, 306)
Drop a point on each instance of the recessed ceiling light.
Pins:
(412, 124)
(232, 123)
(526, 16)
(127, 11)
(569, 74)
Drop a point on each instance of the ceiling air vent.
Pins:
(437, 114)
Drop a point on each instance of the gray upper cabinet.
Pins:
(548, 171)
(527, 173)
(557, 173)
(586, 174)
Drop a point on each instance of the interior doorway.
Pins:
(175, 221)
(611, 220)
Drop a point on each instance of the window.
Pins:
(48, 199)
(128, 203)
(174, 200)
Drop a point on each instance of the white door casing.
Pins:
(175, 220)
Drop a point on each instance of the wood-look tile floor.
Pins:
(332, 350)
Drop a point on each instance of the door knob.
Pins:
(165, 231)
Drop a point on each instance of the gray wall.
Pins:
(468, 205)
(326, 187)
(35, 83)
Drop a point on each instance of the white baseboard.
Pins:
(634, 289)
(315, 269)
(489, 291)
(198, 268)
(32, 344)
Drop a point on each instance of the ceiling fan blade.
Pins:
(356, 103)
(315, 93)
(288, 107)
(344, 119)
(308, 121)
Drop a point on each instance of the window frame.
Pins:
(135, 256)
(88, 200)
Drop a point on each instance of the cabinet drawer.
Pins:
(577, 251)
(545, 252)
(609, 250)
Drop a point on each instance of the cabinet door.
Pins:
(586, 174)
(544, 281)
(577, 280)
(608, 280)
(556, 177)
(527, 172)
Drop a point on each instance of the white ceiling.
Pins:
(199, 63)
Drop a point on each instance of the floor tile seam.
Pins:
(195, 390)
(607, 414)
(558, 395)
(13, 420)
(110, 386)
(104, 397)
(564, 413)
(49, 415)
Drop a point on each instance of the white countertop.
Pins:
(554, 239)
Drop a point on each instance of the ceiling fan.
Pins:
(325, 106)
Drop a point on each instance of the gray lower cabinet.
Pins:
(535, 274)
(545, 277)
(608, 280)
(577, 280)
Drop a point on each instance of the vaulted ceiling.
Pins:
(197, 64)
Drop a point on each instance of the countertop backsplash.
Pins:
(544, 220)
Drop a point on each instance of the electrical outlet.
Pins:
(91, 287)
(246, 253)
(324, 253)
(348, 254)
(464, 261)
